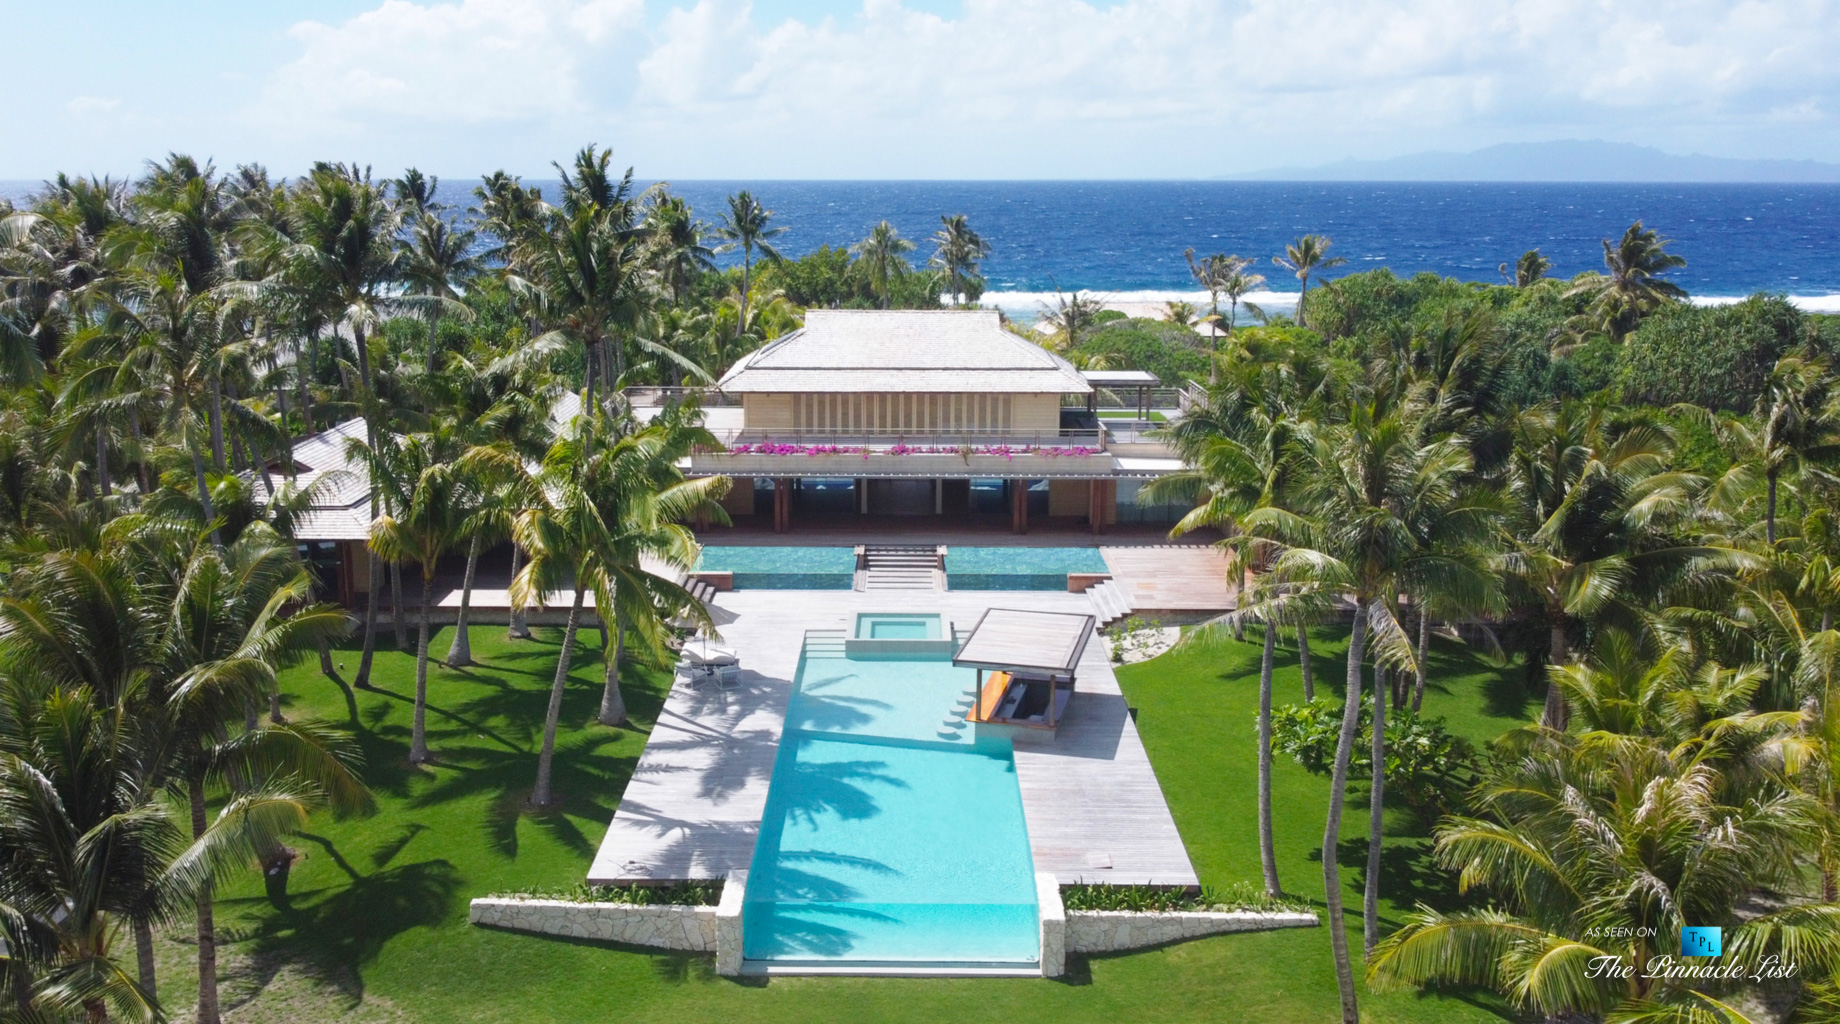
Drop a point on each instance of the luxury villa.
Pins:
(906, 737)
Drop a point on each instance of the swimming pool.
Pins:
(978, 568)
(897, 626)
(783, 568)
(890, 834)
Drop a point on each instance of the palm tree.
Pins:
(1528, 270)
(878, 258)
(433, 500)
(1370, 482)
(437, 263)
(1071, 318)
(1213, 273)
(1235, 287)
(345, 229)
(606, 499)
(1799, 431)
(674, 244)
(957, 251)
(582, 276)
(1631, 286)
(1604, 846)
(1308, 255)
(745, 227)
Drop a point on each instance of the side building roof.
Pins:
(941, 351)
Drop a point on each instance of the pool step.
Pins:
(901, 567)
(1110, 602)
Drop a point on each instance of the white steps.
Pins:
(1110, 602)
(901, 567)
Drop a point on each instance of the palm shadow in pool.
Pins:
(805, 929)
(798, 875)
(834, 787)
(813, 708)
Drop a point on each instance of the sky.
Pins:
(965, 89)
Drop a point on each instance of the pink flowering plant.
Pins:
(1006, 451)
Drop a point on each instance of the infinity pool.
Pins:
(890, 835)
(783, 568)
(977, 568)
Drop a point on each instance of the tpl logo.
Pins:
(1700, 942)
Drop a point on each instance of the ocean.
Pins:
(1125, 239)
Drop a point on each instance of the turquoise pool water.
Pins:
(890, 835)
(896, 626)
(783, 568)
(978, 568)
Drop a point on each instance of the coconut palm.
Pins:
(674, 244)
(1236, 286)
(1605, 846)
(1529, 269)
(509, 213)
(608, 495)
(581, 276)
(437, 262)
(1631, 285)
(1071, 319)
(1371, 484)
(1213, 273)
(957, 251)
(1308, 255)
(878, 258)
(432, 500)
(745, 225)
(1797, 432)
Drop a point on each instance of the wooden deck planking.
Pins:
(1172, 577)
(693, 806)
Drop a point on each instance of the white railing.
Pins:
(944, 442)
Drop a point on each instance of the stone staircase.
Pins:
(1110, 602)
(901, 567)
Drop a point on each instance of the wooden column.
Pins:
(348, 574)
(782, 505)
(1095, 511)
(1019, 509)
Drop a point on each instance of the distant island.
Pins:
(1574, 160)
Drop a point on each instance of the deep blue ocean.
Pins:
(1126, 238)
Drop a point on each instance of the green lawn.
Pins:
(373, 926)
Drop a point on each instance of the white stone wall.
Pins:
(728, 924)
(1112, 931)
(1053, 926)
(678, 927)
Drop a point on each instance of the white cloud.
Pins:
(90, 106)
(1058, 87)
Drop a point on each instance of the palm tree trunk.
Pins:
(1268, 857)
(363, 679)
(1553, 715)
(460, 652)
(1424, 649)
(1376, 822)
(1303, 663)
(217, 423)
(1332, 829)
(540, 796)
(140, 463)
(143, 958)
(303, 379)
(204, 495)
(396, 606)
(519, 629)
(418, 733)
(102, 460)
(613, 702)
(207, 924)
(1301, 295)
(1769, 518)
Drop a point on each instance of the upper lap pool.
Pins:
(888, 836)
(995, 568)
(782, 568)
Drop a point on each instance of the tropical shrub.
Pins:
(1715, 357)
(1172, 352)
(1427, 767)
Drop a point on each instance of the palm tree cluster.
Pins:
(1679, 621)
(166, 343)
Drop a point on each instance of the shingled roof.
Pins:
(852, 350)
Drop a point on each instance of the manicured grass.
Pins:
(373, 926)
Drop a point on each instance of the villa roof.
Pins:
(852, 350)
(1011, 638)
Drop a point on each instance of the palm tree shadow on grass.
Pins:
(1409, 874)
(332, 934)
(588, 784)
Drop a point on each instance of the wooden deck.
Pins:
(692, 809)
(1172, 577)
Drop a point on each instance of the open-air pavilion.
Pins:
(1030, 657)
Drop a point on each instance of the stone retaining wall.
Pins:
(1113, 931)
(665, 926)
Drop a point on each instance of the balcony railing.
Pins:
(925, 442)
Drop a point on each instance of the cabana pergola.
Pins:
(1030, 658)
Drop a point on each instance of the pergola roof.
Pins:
(1009, 638)
(1121, 378)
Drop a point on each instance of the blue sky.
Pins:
(904, 88)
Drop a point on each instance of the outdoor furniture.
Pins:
(1030, 658)
(703, 651)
